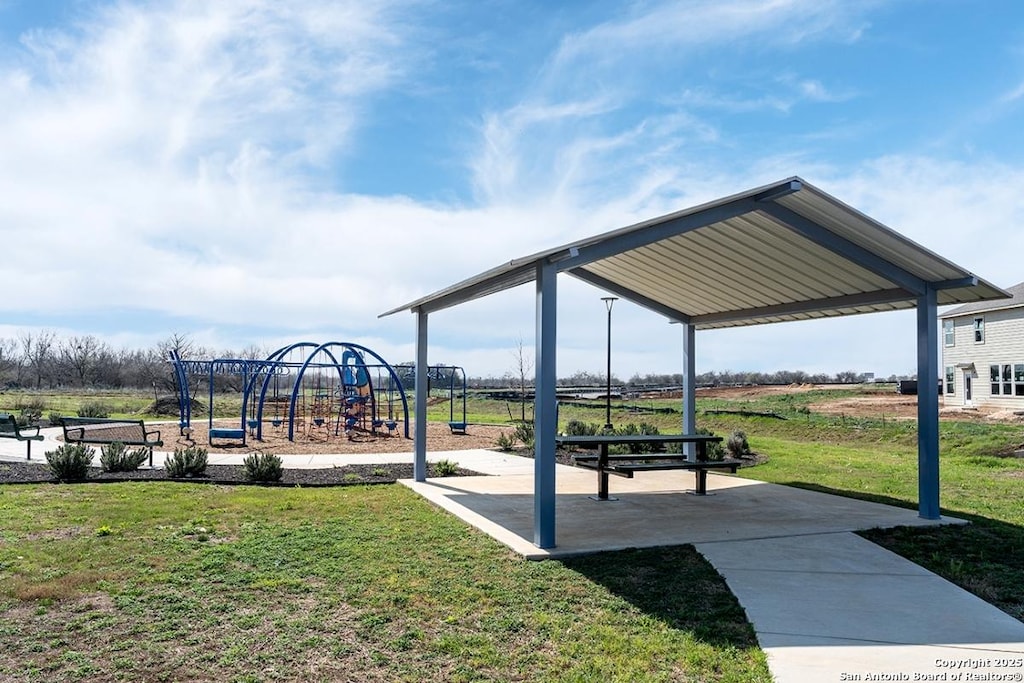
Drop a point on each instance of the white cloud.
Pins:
(175, 158)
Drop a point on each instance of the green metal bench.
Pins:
(10, 429)
(105, 431)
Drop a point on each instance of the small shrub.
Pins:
(186, 462)
(54, 418)
(104, 530)
(94, 409)
(580, 428)
(115, 457)
(446, 468)
(715, 450)
(632, 429)
(737, 444)
(505, 442)
(351, 477)
(30, 409)
(70, 462)
(380, 472)
(261, 466)
(524, 433)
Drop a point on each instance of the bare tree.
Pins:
(81, 355)
(37, 353)
(522, 367)
(9, 361)
(181, 343)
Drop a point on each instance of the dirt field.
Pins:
(439, 438)
(877, 405)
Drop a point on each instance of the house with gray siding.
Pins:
(983, 353)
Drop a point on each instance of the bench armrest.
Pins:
(74, 433)
(149, 433)
(24, 431)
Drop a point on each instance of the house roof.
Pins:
(1017, 300)
(781, 252)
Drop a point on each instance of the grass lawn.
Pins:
(179, 582)
(154, 582)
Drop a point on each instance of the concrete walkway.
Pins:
(826, 604)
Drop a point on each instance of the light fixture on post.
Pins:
(609, 301)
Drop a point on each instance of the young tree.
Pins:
(523, 366)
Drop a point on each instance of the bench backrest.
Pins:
(8, 423)
(103, 430)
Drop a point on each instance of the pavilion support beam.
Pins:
(928, 405)
(632, 296)
(839, 245)
(545, 409)
(689, 388)
(419, 465)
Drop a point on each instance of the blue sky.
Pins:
(254, 172)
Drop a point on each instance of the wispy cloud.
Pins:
(588, 122)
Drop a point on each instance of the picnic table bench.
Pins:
(106, 431)
(626, 465)
(10, 429)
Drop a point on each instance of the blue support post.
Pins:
(928, 405)
(419, 466)
(545, 409)
(689, 388)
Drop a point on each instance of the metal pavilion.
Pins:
(782, 252)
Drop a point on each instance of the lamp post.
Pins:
(609, 301)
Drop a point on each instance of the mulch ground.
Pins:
(347, 475)
(439, 438)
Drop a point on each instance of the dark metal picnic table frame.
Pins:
(625, 465)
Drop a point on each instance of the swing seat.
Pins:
(226, 433)
(457, 427)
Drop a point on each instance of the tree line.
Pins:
(43, 360)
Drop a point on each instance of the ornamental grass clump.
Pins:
(737, 444)
(115, 457)
(524, 433)
(94, 409)
(504, 442)
(70, 462)
(446, 468)
(186, 463)
(260, 466)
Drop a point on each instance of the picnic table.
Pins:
(625, 465)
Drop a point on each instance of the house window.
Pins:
(947, 333)
(950, 388)
(979, 330)
(1003, 379)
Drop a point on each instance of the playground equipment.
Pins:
(310, 390)
(457, 427)
(448, 376)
